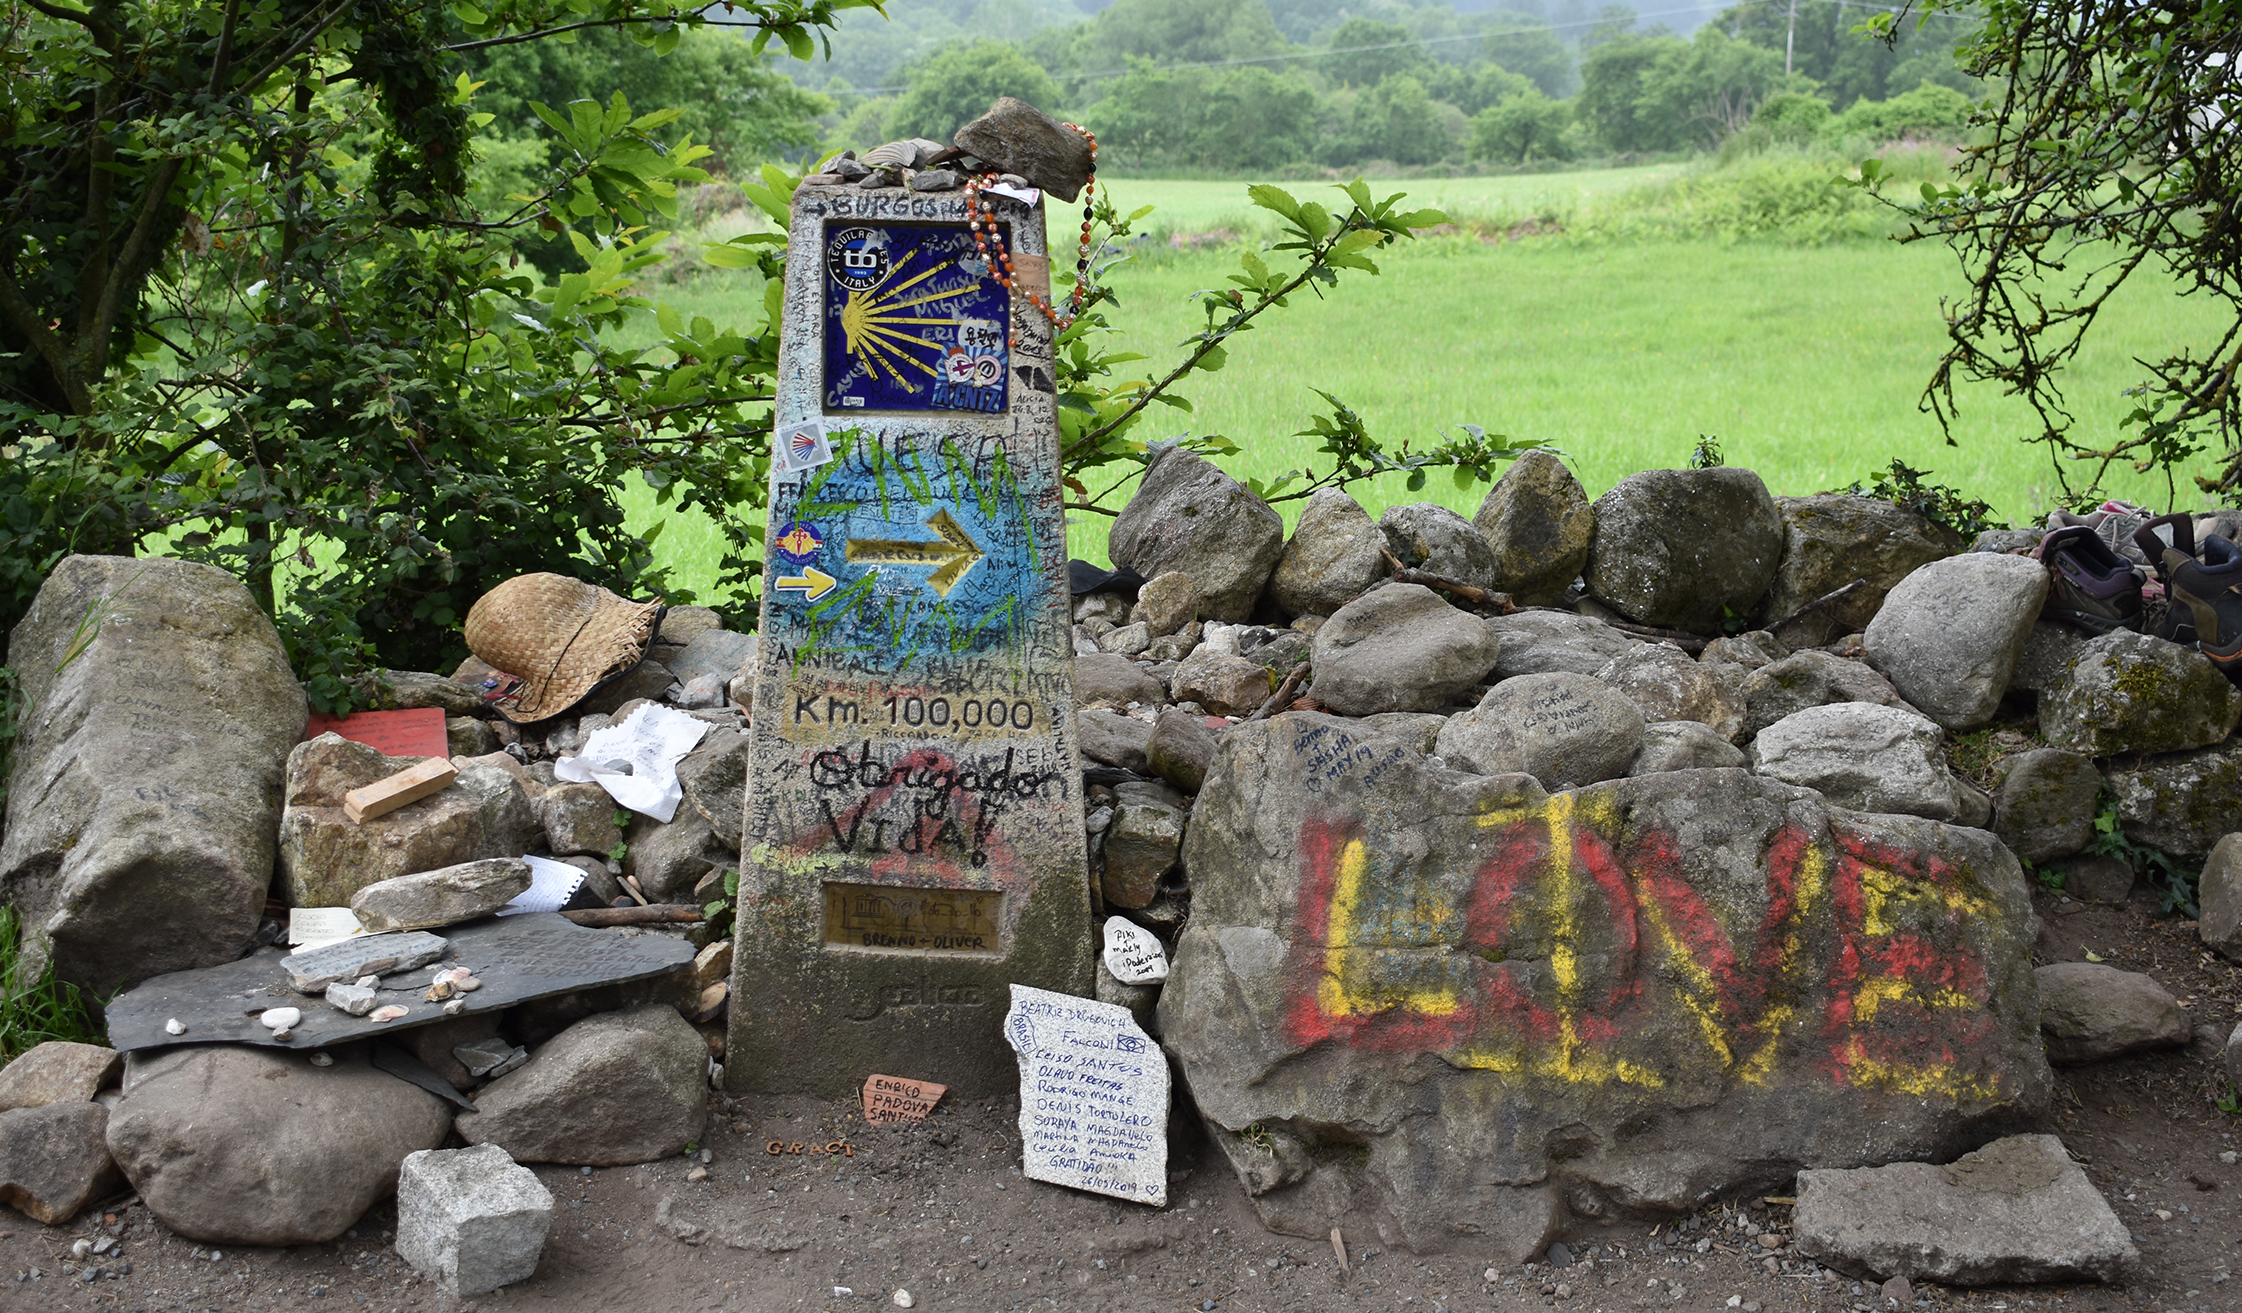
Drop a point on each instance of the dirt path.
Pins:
(937, 1209)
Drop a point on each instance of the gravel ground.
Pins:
(938, 1209)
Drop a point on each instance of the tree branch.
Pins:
(50, 346)
(543, 32)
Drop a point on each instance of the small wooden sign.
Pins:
(896, 1099)
(415, 733)
(411, 785)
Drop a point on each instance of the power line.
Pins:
(1328, 51)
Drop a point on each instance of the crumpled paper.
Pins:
(653, 740)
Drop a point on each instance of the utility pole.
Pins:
(1790, 35)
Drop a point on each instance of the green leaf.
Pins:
(1214, 359)
(1274, 198)
(469, 14)
(724, 255)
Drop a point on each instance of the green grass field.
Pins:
(1806, 363)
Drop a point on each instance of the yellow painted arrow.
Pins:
(955, 553)
(812, 583)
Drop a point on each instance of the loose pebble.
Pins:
(903, 1298)
(322, 1059)
(697, 1174)
(174, 1027)
(455, 1007)
(467, 984)
(280, 1019)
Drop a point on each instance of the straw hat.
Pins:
(560, 637)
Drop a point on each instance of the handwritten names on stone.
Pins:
(899, 1099)
(1093, 1096)
(1133, 953)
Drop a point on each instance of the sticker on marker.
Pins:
(800, 447)
(913, 322)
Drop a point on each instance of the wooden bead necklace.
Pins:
(981, 219)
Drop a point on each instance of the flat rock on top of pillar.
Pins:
(1016, 137)
(517, 958)
(913, 839)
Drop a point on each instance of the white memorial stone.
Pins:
(1093, 1096)
(1133, 953)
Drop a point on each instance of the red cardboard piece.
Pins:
(416, 733)
(899, 1099)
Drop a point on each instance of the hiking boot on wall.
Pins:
(2167, 535)
(2210, 587)
(2091, 586)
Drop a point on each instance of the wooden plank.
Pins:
(411, 785)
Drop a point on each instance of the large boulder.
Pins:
(157, 708)
(1189, 516)
(54, 1160)
(2015, 1212)
(2219, 895)
(1667, 685)
(2126, 692)
(1453, 1008)
(1810, 679)
(1867, 758)
(1949, 634)
(1538, 522)
(1539, 642)
(2094, 1012)
(1686, 549)
(1337, 552)
(325, 857)
(611, 1090)
(1834, 538)
(1563, 730)
(229, 1144)
(2044, 806)
(1428, 536)
(2181, 802)
(1401, 648)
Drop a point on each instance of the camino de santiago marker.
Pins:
(913, 841)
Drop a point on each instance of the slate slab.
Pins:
(518, 958)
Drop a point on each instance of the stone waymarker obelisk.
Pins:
(914, 841)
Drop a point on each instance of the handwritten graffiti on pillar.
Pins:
(1578, 954)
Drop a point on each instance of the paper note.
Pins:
(551, 885)
(309, 927)
(653, 741)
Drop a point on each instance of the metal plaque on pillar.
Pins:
(914, 840)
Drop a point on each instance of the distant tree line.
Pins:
(1225, 85)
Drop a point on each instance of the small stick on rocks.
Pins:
(1339, 1247)
(1486, 599)
(1818, 603)
(651, 914)
(1284, 694)
(1681, 638)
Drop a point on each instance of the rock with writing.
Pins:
(325, 857)
(1401, 648)
(1563, 730)
(1539, 524)
(1685, 549)
(1189, 516)
(1093, 1096)
(899, 1099)
(156, 709)
(1337, 552)
(1463, 1007)
(1132, 953)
